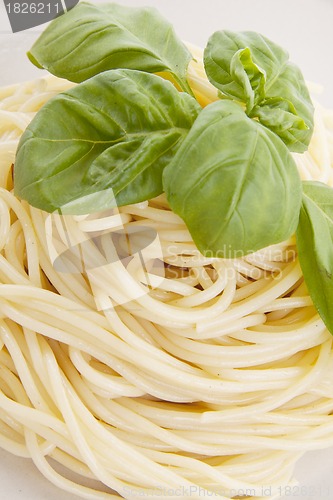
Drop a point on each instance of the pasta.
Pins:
(166, 374)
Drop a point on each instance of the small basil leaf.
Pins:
(249, 77)
(315, 246)
(234, 183)
(281, 82)
(91, 38)
(291, 87)
(263, 61)
(280, 115)
(116, 131)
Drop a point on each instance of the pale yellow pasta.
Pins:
(184, 377)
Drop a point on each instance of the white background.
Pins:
(305, 28)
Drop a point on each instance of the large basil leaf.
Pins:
(272, 88)
(234, 183)
(91, 38)
(111, 134)
(315, 246)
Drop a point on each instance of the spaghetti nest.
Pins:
(156, 371)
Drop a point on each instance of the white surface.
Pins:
(305, 28)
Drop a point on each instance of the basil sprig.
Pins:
(124, 135)
(251, 68)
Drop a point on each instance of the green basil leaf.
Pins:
(315, 246)
(290, 85)
(91, 38)
(248, 76)
(263, 61)
(277, 85)
(234, 183)
(280, 115)
(111, 134)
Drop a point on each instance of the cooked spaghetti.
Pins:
(169, 375)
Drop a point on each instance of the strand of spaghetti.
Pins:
(30, 238)
(154, 473)
(55, 478)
